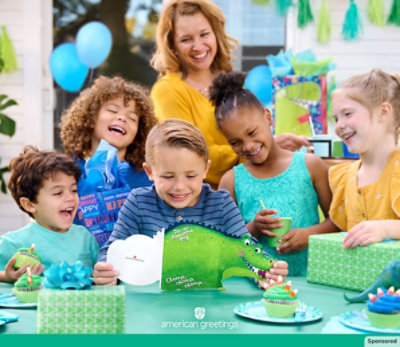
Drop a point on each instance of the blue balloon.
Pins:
(259, 82)
(93, 43)
(66, 68)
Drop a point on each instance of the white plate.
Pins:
(359, 320)
(256, 311)
(10, 301)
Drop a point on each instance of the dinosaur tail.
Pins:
(361, 297)
(381, 282)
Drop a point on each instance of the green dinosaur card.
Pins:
(187, 256)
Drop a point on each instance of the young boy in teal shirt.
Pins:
(177, 162)
(44, 185)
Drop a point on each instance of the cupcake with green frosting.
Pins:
(27, 290)
(383, 309)
(280, 300)
(26, 255)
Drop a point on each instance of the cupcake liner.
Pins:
(27, 294)
(280, 310)
(22, 258)
(382, 320)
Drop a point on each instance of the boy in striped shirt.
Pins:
(177, 162)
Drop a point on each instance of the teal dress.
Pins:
(291, 193)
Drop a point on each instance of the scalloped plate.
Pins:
(359, 320)
(256, 311)
(11, 301)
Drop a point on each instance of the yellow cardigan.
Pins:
(174, 98)
(376, 201)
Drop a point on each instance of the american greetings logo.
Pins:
(200, 324)
(200, 312)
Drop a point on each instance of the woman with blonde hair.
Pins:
(192, 49)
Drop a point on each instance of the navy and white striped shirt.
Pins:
(144, 212)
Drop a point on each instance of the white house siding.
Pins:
(376, 47)
(29, 26)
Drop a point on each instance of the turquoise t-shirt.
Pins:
(292, 193)
(53, 247)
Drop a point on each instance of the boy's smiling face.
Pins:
(56, 203)
(178, 175)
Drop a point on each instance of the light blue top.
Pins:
(291, 193)
(53, 247)
(144, 212)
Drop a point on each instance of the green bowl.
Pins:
(382, 320)
(280, 310)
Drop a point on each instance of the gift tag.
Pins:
(138, 258)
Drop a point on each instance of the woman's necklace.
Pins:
(203, 91)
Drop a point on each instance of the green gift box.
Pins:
(100, 310)
(356, 269)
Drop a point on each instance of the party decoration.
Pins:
(376, 13)
(281, 64)
(93, 43)
(7, 53)
(323, 24)
(352, 23)
(282, 6)
(261, 2)
(66, 68)
(304, 14)
(394, 16)
(390, 276)
(65, 276)
(187, 256)
(259, 82)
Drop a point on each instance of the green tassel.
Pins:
(304, 15)
(261, 2)
(323, 24)
(282, 6)
(352, 23)
(7, 53)
(394, 16)
(376, 12)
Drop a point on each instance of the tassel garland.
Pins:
(376, 13)
(352, 23)
(282, 6)
(394, 16)
(304, 15)
(323, 24)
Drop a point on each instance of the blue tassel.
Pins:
(282, 6)
(352, 23)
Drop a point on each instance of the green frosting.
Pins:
(278, 292)
(23, 281)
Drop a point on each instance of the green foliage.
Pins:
(7, 127)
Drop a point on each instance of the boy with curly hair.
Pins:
(115, 110)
